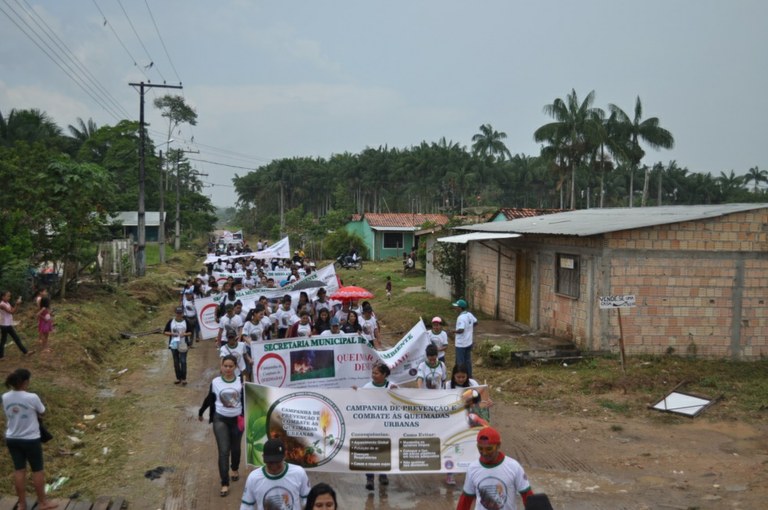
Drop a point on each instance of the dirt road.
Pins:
(582, 463)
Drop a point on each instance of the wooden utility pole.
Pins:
(176, 240)
(141, 255)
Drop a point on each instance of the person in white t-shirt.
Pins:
(237, 349)
(335, 328)
(432, 373)
(23, 410)
(465, 326)
(178, 343)
(370, 327)
(276, 485)
(285, 317)
(492, 481)
(228, 320)
(438, 337)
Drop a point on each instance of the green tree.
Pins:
(575, 125)
(631, 131)
(489, 144)
(756, 177)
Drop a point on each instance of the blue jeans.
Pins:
(464, 356)
(180, 364)
(228, 438)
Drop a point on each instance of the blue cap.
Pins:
(460, 303)
(334, 321)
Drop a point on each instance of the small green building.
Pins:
(389, 235)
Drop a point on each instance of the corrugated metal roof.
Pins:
(589, 222)
(131, 218)
(476, 236)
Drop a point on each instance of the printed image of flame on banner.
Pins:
(310, 424)
(401, 430)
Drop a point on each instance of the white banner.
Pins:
(206, 307)
(278, 275)
(279, 250)
(404, 430)
(336, 361)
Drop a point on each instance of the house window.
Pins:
(393, 240)
(567, 272)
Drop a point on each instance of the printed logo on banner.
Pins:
(311, 425)
(208, 316)
(271, 371)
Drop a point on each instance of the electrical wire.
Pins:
(76, 79)
(65, 51)
(151, 60)
(106, 22)
(159, 36)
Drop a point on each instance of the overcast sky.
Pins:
(309, 78)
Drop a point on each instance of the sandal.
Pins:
(235, 476)
(224, 491)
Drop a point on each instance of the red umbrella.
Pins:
(350, 293)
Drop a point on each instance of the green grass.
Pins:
(152, 253)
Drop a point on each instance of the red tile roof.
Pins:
(401, 219)
(520, 212)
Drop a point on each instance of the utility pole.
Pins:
(177, 239)
(141, 255)
(161, 219)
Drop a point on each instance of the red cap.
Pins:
(488, 435)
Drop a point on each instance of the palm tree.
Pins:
(29, 126)
(83, 131)
(575, 125)
(756, 176)
(635, 130)
(729, 183)
(488, 143)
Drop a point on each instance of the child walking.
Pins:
(44, 323)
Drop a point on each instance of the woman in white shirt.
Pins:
(22, 437)
(225, 403)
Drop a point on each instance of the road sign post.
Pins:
(619, 302)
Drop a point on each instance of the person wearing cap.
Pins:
(335, 328)
(493, 479)
(438, 338)
(464, 333)
(177, 333)
(229, 320)
(225, 404)
(277, 484)
(238, 349)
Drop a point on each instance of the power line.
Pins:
(107, 23)
(76, 79)
(222, 164)
(151, 60)
(162, 42)
(69, 54)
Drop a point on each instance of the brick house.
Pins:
(699, 274)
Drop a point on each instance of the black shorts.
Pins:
(26, 450)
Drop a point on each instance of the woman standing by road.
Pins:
(6, 324)
(178, 343)
(22, 437)
(225, 401)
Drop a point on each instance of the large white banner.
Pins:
(336, 361)
(278, 275)
(279, 250)
(402, 430)
(206, 307)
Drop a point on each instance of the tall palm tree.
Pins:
(634, 131)
(83, 130)
(574, 126)
(756, 176)
(489, 143)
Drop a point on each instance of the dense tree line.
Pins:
(588, 158)
(58, 190)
